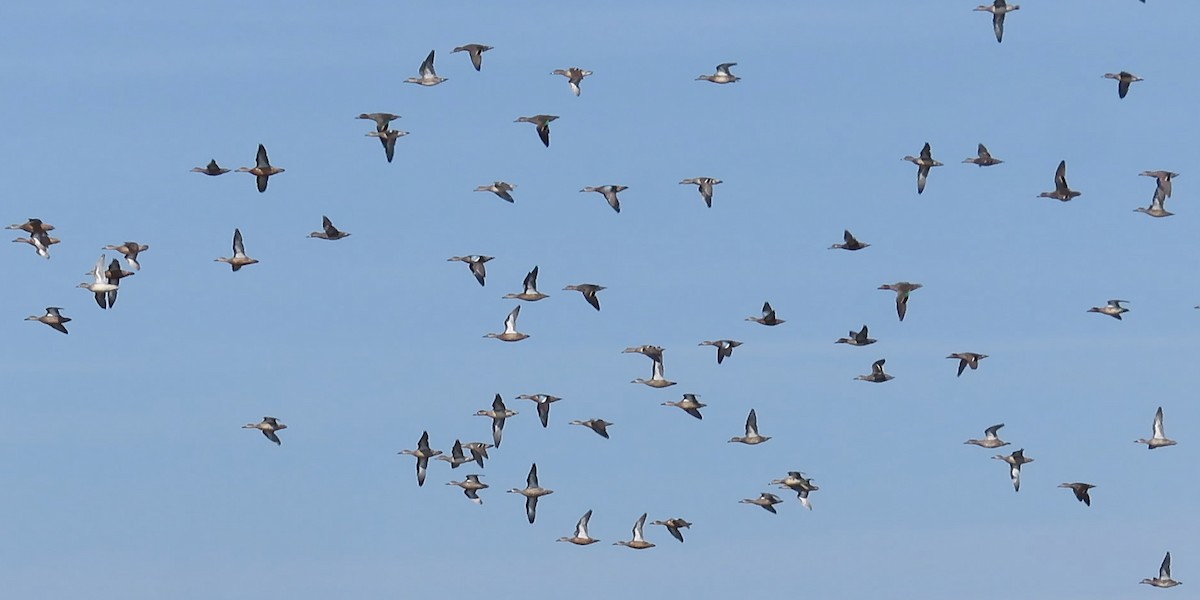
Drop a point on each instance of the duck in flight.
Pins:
(990, 438)
(1014, 460)
(1158, 439)
(499, 413)
(581, 537)
(532, 491)
(268, 426)
(924, 163)
(476, 53)
(262, 170)
(1124, 78)
(328, 231)
(983, 158)
(589, 291)
(902, 289)
(428, 77)
(1164, 575)
(239, 258)
(610, 194)
(53, 318)
(543, 126)
(999, 9)
(475, 262)
(722, 75)
(499, 188)
(849, 242)
(705, 185)
(857, 338)
(423, 453)
(768, 316)
(752, 436)
(1062, 192)
(689, 404)
(724, 348)
(1113, 309)
(212, 169)
(510, 333)
(639, 540)
(967, 359)
(574, 76)
(877, 374)
(530, 293)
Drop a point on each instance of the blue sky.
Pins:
(127, 475)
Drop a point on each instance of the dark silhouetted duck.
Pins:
(212, 169)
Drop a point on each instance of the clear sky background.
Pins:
(126, 475)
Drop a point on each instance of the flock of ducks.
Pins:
(106, 277)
